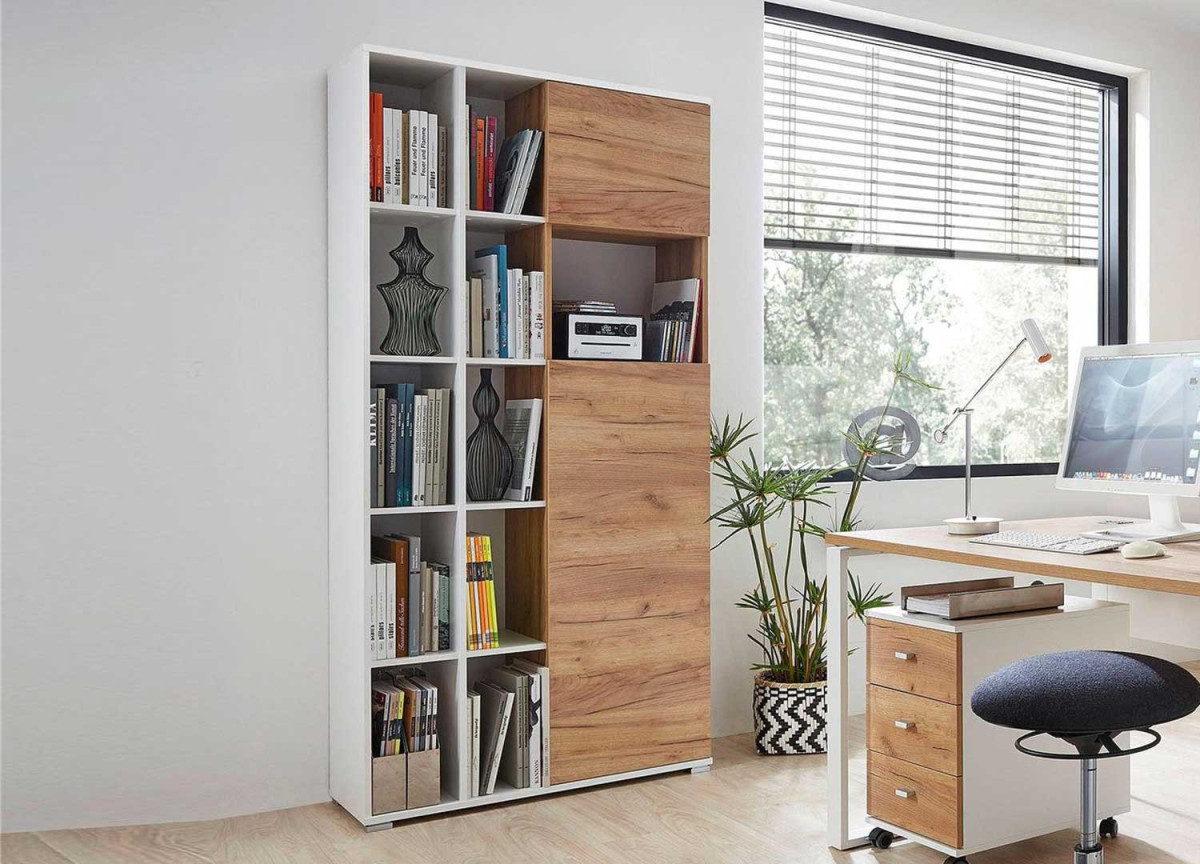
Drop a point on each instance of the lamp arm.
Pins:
(940, 434)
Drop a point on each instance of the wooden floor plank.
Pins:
(749, 808)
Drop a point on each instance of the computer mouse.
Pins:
(1143, 549)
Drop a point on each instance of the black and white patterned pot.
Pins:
(789, 719)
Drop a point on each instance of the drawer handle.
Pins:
(906, 793)
(905, 724)
(906, 655)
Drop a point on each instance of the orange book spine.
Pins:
(490, 587)
(479, 137)
(376, 146)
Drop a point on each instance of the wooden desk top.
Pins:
(1178, 572)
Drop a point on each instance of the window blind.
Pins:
(890, 147)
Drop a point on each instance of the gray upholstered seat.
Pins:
(1086, 691)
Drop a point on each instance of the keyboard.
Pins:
(1047, 542)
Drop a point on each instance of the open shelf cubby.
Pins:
(603, 576)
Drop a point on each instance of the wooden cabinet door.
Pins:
(623, 161)
(628, 575)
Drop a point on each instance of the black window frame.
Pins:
(1113, 252)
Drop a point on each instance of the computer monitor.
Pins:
(1134, 427)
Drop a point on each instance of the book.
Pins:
(387, 729)
(376, 146)
(389, 585)
(443, 445)
(522, 425)
(489, 166)
(514, 759)
(413, 544)
(442, 573)
(515, 313)
(509, 165)
(673, 312)
(496, 706)
(492, 630)
(395, 551)
(537, 315)
(443, 158)
(402, 157)
(380, 465)
(500, 253)
(418, 452)
(426, 608)
(379, 621)
(372, 599)
(480, 128)
(389, 439)
(431, 128)
(404, 457)
(487, 271)
(530, 165)
(373, 445)
(541, 704)
(423, 157)
(475, 310)
(475, 706)
(414, 156)
(387, 155)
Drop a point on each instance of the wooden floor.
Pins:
(751, 809)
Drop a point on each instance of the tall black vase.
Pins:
(489, 458)
(412, 301)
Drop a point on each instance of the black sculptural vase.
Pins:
(489, 458)
(412, 301)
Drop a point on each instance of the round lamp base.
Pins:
(973, 524)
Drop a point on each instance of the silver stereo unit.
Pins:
(590, 336)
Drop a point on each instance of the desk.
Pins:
(1177, 573)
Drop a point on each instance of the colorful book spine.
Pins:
(492, 638)
(479, 172)
(489, 166)
(376, 147)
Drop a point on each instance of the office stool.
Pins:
(1087, 698)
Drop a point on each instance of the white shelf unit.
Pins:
(360, 235)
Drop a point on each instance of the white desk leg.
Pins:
(838, 707)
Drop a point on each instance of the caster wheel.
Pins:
(1108, 827)
(880, 838)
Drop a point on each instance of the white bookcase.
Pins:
(360, 235)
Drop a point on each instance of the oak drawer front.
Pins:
(914, 660)
(915, 729)
(626, 161)
(915, 798)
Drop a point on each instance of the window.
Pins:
(927, 195)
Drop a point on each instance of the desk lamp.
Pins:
(969, 523)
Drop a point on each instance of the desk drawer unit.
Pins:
(938, 774)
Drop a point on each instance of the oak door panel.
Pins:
(628, 580)
(626, 161)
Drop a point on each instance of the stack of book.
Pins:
(510, 737)
(482, 630)
(673, 326)
(407, 156)
(506, 308)
(408, 599)
(499, 180)
(404, 713)
(409, 437)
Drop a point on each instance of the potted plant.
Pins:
(789, 683)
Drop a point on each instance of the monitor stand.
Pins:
(1165, 525)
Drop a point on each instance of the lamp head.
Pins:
(1037, 344)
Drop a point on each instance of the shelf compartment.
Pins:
(510, 643)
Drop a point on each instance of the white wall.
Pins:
(164, 365)
(164, 600)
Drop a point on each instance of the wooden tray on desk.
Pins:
(975, 598)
